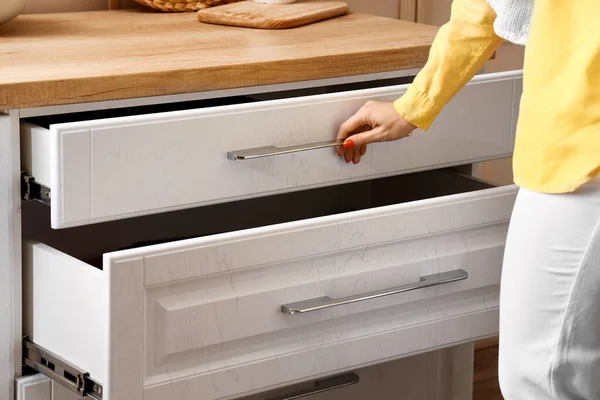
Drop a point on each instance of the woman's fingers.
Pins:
(362, 139)
(349, 154)
(357, 153)
(374, 122)
(351, 125)
(357, 156)
(354, 154)
(355, 123)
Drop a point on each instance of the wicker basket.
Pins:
(183, 5)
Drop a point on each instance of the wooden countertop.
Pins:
(53, 59)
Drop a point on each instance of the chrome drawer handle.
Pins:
(321, 303)
(269, 151)
(335, 382)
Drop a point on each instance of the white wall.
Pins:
(42, 6)
(387, 8)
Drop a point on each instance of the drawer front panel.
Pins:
(201, 318)
(381, 338)
(117, 168)
(204, 314)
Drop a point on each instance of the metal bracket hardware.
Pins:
(60, 371)
(32, 190)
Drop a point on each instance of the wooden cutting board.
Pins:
(250, 14)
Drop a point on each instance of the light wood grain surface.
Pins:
(273, 16)
(485, 377)
(51, 59)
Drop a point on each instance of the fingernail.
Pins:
(354, 162)
(348, 144)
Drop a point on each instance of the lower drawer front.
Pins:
(115, 168)
(203, 318)
(445, 374)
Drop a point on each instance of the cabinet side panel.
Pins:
(10, 254)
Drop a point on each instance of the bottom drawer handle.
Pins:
(335, 382)
(321, 303)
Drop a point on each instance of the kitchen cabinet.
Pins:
(189, 233)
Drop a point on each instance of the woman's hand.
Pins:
(374, 122)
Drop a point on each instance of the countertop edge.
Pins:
(186, 81)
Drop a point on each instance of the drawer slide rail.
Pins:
(60, 371)
(32, 190)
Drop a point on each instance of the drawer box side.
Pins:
(65, 307)
(35, 152)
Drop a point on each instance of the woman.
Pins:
(550, 289)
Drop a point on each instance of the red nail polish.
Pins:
(354, 162)
(348, 144)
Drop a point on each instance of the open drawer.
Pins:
(415, 258)
(106, 168)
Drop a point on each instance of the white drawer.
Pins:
(445, 374)
(114, 168)
(203, 317)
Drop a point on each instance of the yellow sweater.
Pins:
(557, 147)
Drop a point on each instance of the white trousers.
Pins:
(550, 298)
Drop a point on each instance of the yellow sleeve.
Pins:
(459, 50)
